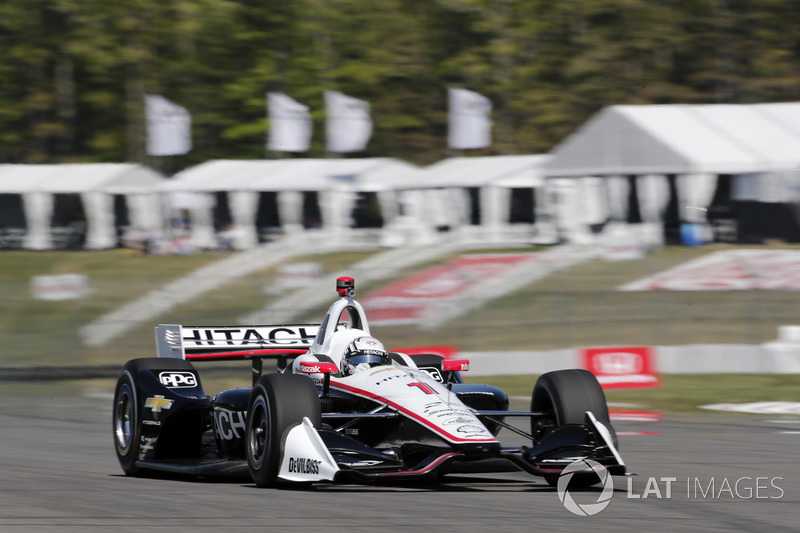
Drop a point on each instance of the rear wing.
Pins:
(218, 343)
(230, 343)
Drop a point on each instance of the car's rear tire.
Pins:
(126, 422)
(278, 403)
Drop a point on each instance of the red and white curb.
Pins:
(635, 416)
(759, 408)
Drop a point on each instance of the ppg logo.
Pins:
(433, 373)
(177, 380)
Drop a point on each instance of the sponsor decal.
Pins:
(445, 415)
(405, 301)
(172, 337)
(308, 367)
(388, 378)
(283, 335)
(424, 387)
(436, 413)
(146, 444)
(627, 367)
(365, 463)
(151, 422)
(303, 465)
(60, 287)
(455, 365)
(229, 425)
(471, 430)
(433, 373)
(158, 402)
(729, 270)
(178, 380)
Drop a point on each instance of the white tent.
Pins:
(670, 139)
(449, 182)
(336, 181)
(759, 145)
(97, 184)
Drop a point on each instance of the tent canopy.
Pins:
(369, 174)
(111, 178)
(681, 139)
(504, 171)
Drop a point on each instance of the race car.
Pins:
(342, 409)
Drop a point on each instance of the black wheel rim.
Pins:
(258, 434)
(123, 419)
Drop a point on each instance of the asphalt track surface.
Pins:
(58, 472)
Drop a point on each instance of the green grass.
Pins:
(580, 306)
(577, 307)
(679, 392)
(37, 332)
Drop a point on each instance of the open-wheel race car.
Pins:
(342, 409)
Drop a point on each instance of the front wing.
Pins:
(322, 455)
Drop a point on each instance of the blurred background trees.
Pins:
(73, 73)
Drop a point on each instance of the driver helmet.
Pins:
(364, 353)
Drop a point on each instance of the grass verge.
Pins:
(680, 393)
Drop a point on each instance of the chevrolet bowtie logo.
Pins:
(156, 403)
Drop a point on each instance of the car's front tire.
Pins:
(278, 402)
(565, 396)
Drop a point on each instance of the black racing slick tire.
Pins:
(126, 422)
(278, 403)
(566, 395)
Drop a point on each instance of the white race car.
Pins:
(343, 409)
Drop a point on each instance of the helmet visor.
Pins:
(360, 358)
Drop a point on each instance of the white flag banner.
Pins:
(168, 127)
(470, 121)
(349, 126)
(289, 124)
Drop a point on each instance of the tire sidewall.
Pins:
(264, 470)
(568, 394)
(284, 400)
(127, 455)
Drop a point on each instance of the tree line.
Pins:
(73, 73)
